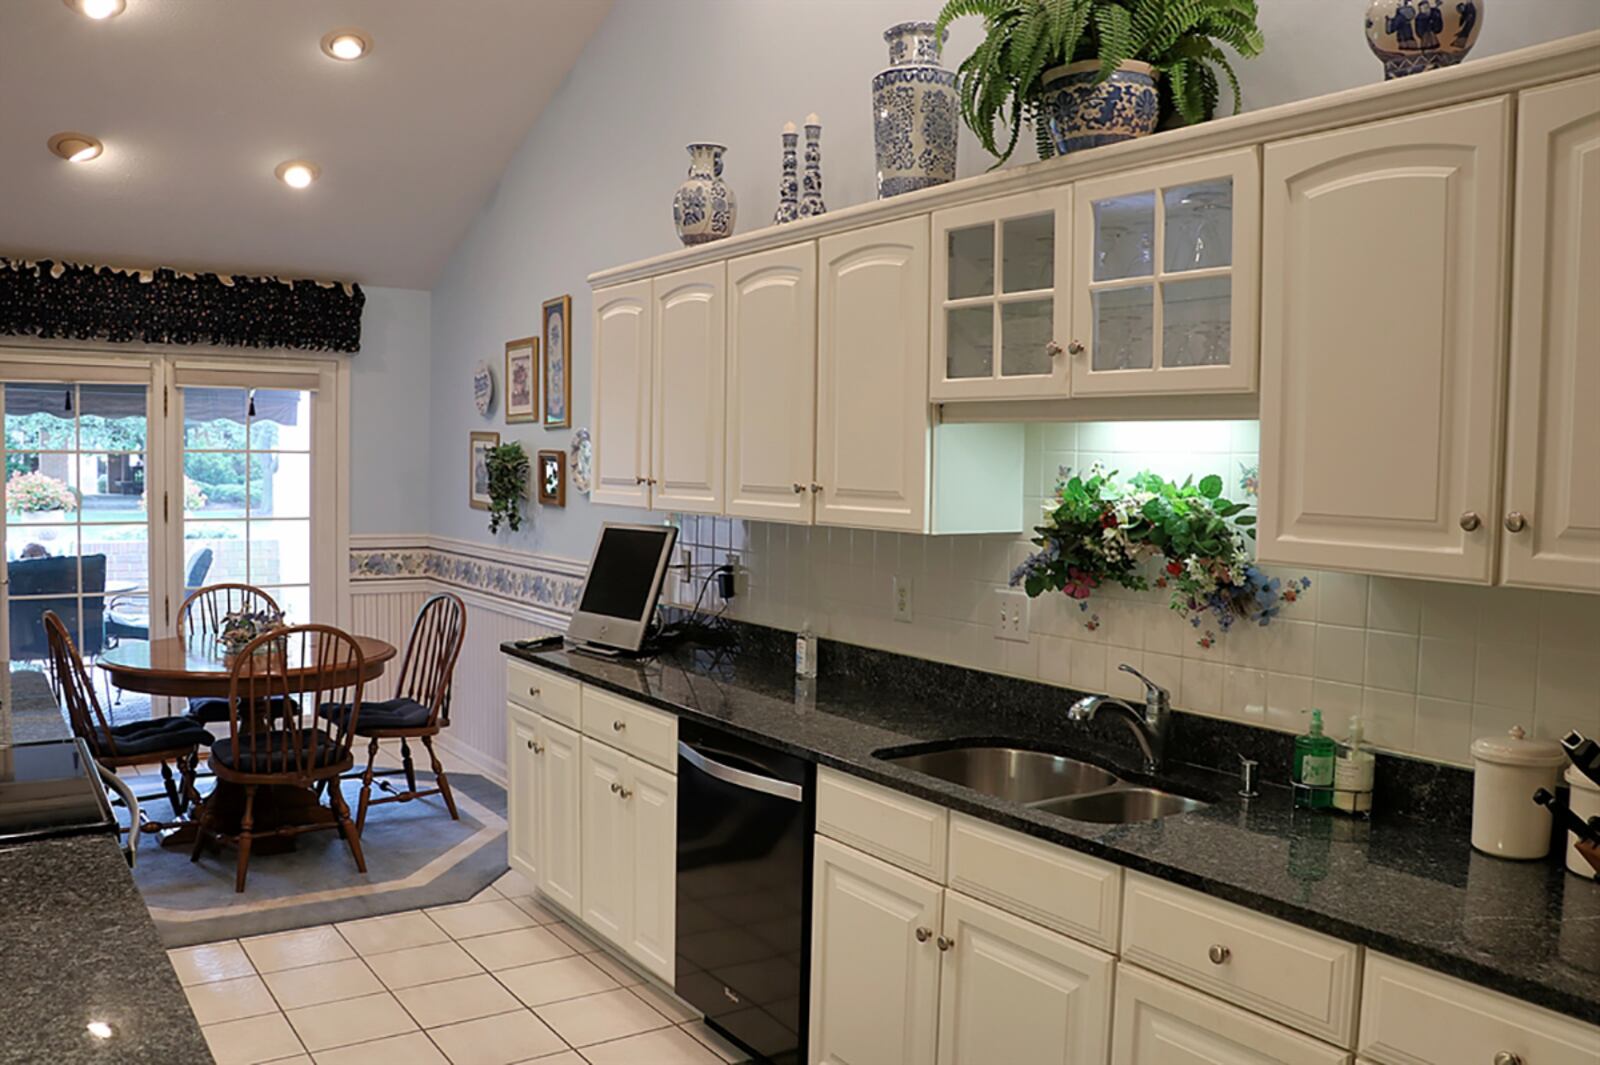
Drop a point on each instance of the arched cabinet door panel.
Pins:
(621, 383)
(687, 407)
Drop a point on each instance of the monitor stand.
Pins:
(615, 654)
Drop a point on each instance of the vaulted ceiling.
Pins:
(197, 101)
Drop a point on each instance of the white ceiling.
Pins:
(198, 100)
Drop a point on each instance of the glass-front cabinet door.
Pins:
(1167, 265)
(1001, 273)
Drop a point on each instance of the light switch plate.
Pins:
(1011, 615)
(902, 598)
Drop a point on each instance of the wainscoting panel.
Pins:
(386, 609)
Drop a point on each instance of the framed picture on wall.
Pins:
(478, 469)
(553, 478)
(557, 375)
(522, 380)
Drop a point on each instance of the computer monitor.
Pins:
(624, 582)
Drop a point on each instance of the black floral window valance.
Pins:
(75, 302)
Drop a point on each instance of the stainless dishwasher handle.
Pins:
(740, 778)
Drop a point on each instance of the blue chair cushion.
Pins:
(211, 710)
(158, 734)
(380, 716)
(272, 753)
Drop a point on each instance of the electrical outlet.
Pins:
(1011, 615)
(902, 598)
(685, 559)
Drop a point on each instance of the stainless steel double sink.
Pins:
(1050, 782)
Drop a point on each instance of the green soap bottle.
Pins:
(1313, 766)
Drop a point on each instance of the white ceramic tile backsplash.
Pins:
(1428, 666)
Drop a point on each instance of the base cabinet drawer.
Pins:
(1302, 978)
(647, 734)
(1158, 1022)
(883, 822)
(1413, 1016)
(543, 692)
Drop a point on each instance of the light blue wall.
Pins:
(389, 414)
(591, 186)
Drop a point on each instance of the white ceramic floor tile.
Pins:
(553, 981)
(519, 946)
(356, 1020)
(498, 1040)
(600, 1018)
(252, 1040)
(298, 1059)
(575, 939)
(666, 1046)
(615, 968)
(396, 931)
(514, 884)
(531, 906)
(289, 950)
(413, 1048)
(422, 965)
(669, 1006)
(329, 982)
(480, 918)
(211, 961)
(718, 1045)
(488, 894)
(466, 999)
(564, 1057)
(229, 1000)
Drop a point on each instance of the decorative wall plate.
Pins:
(482, 387)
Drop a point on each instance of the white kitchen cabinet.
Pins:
(651, 798)
(1383, 269)
(522, 792)
(1551, 515)
(558, 787)
(772, 384)
(688, 390)
(1164, 278)
(623, 346)
(1001, 298)
(606, 842)
(874, 961)
(1159, 1022)
(1013, 991)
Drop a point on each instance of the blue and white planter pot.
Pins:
(915, 112)
(704, 208)
(1411, 36)
(1084, 113)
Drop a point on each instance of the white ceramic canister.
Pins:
(1506, 822)
(1585, 802)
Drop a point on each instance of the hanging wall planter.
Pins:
(508, 485)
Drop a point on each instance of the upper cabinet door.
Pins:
(690, 371)
(1001, 305)
(772, 384)
(1383, 266)
(873, 416)
(1552, 498)
(622, 348)
(1165, 278)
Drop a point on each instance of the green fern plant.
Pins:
(1001, 84)
(508, 485)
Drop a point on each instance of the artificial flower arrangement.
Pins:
(1099, 529)
(239, 627)
(37, 493)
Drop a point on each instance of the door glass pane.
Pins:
(1199, 223)
(214, 417)
(112, 417)
(280, 485)
(110, 486)
(971, 260)
(41, 559)
(280, 552)
(39, 417)
(39, 488)
(1029, 247)
(214, 484)
(281, 422)
(1195, 322)
(126, 550)
(1025, 330)
(295, 602)
(1124, 236)
(969, 342)
(1123, 322)
(226, 542)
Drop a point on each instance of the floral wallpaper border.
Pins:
(507, 580)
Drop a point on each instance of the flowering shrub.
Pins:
(1099, 529)
(239, 627)
(33, 493)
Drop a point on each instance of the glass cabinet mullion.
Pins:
(1030, 296)
(968, 301)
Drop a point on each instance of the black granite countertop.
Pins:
(1409, 887)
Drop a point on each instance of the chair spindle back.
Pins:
(431, 653)
(200, 616)
(83, 708)
(304, 667)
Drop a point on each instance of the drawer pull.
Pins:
(924, 934)
(538, 748)
(945, 944)
(1219, 954)
(615, 787)
(626, 793)
(618, 726)
(1506, 1057)
(1515, 523)
(533, 693)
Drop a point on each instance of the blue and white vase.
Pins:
(1086, 113)
(811, 185)
(704, 207)
(915, 112)
(1411, 36)
(789, 184)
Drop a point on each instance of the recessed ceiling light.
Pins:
(297, 173)
(97, 9)
(346, 44)
(76, 147)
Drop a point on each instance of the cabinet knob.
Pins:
(626, 793)
(618, 726)
(1052, 349)
(945, 944)
(530, 745)
(1470, 520)
(924, 934)
(798, 488)
(1075, 347)
(1507, 1057)
(1515, 522)
(538, 748)
(815, 487)
(1219, 954)
(615, 787)
(638, 480)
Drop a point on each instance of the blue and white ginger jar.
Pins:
(1411, 36)
(704, 208)
(1085, 113)
(915, 112)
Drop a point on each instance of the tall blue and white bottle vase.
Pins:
(703, 208)
(915, 110)
(811, 186)
(789, 184)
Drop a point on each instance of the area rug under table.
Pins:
(416, 857)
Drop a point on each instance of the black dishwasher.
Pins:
(745, 817)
